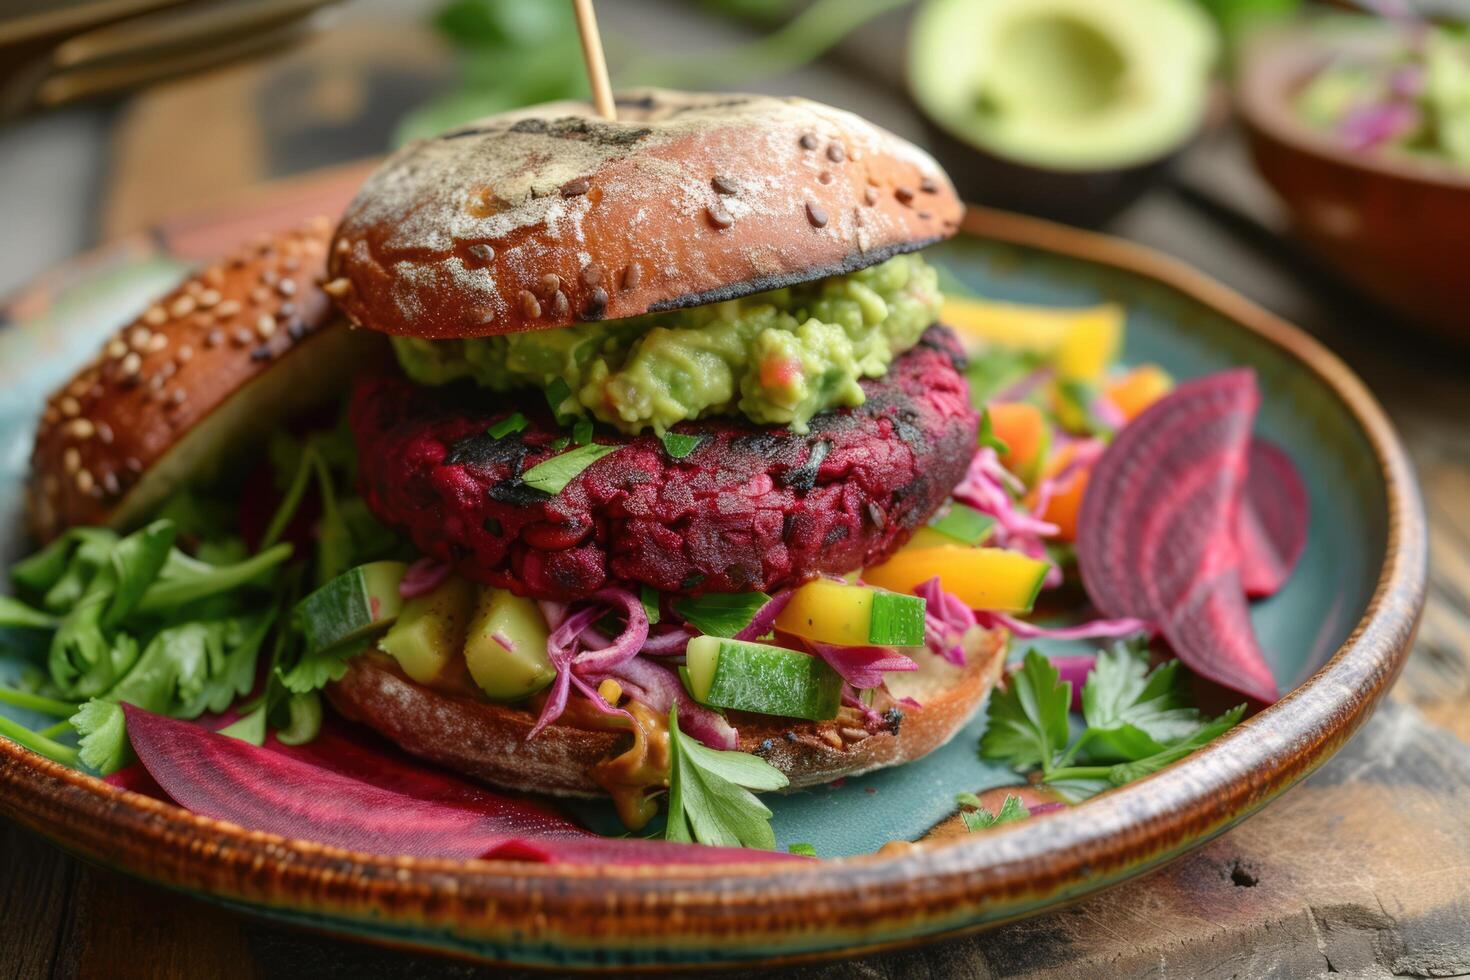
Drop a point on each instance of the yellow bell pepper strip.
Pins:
(990, 579)
(853, 615)
(1138, 389)
(1081, 343)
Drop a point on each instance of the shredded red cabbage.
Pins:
(1095, 629)
(1041, 808)
(423, 577)
(946, 620)
(576, 650)
(988, 487)
(669, 640)
(659, 687)
(863, 667)
(765, 617)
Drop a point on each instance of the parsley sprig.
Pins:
(977, 818)
(710, 798)
(1138, 721)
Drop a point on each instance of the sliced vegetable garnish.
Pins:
(1025, 438)
(984, 578)
(649, 596)
(429, 633)
(1271, 525)
(678, 445)
(353, 606)
(765, 679)
(505, 646)
(428, 815)
(557, 393)
(987, 436)
(964, 524)
(582, 432)
(721, 614)
(553, 475)
(514, 422)
(826, 611)
(1156, 536)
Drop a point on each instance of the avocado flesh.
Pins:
(430, 631)
(1073, 85)
(506, 646)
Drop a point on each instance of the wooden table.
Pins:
(1362, 871)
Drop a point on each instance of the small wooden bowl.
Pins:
(1396, 227)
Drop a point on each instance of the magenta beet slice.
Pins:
(1271, 525)
(292, 792)
(1156, 535)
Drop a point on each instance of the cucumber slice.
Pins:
(853, 615)
(354, 606)
(761, 678)
(430, 631)
(506, 646)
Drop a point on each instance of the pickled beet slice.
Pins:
(299, 793)
(1156, 533)
(1271, 525)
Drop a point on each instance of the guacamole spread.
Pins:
(777, 357)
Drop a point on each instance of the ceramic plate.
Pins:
(1336, 636)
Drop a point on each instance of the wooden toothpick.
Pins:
(602, 96)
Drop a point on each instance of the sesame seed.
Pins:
(139, 337)
(836, 152)
(825, 177)
(337, 287)
(214, 338)
(718, 216)
(870, 195)
(260, 295)
(132, 364)
(185, 353)
(157, 382)
(483, 254)
(183, 306)
(575, 188)
(215, 276)
(157, 342)
(261, 353)
(265, 325)
(155, 316)
(209, 298)
(929, 185)
(176, 397)
(269, 276)
(925, 215)
(104, 433)
(84, 481)
(286, 311)
(808, 141)
(82, 428)
(203, 319)
(133, 465)
(110, 483)
(241, 337)
(596, 303)
(905, 195)
(632, 275)
(592, 275)
(71, 460)
(816, 215)
(723, 185)
(227, 309)
(296, 330)
(116, 349)
(286, 287)
(168, 369)
(70, 407)
(194, 287)
(342, 246)
(530, 305)
(291, 263)
(559, 305)
(549, 284)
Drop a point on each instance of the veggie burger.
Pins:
(642, 408)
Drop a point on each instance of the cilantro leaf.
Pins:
(512, 423)
(104, 735)
(1126, 772)
(77, 552)
(721, 614)
(651, 602)
(315, 671)
(988, 438)
(979, 818)
(183, 579)
(552, 475)
(582, 432)
(710, 798)
(1026, 723)
(964, 523)
(557, 394)
(1131, 712)
(15, 614)
(136, 561)
(678, 445)
(804, 849)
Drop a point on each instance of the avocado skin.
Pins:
(1086, 198)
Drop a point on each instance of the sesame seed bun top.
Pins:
(550, 215)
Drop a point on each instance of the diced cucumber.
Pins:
(351, 607)
(506, 646)
(765, 679)
(853, 615)
(431, 629)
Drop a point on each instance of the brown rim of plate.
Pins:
(1276, 65)
(861, 903)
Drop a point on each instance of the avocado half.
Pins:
(1063, 108)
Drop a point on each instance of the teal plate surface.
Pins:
(1300, 628)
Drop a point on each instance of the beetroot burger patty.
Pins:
(750, 508)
